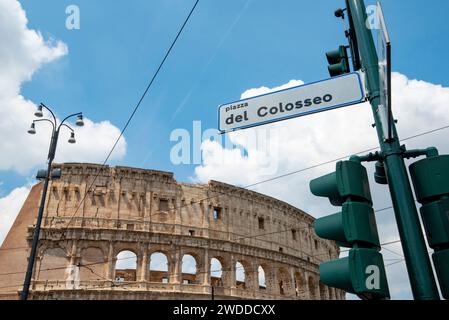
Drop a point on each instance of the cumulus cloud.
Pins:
(304, 142)
(9, 207)
(24, 51)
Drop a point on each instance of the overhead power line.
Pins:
(267, 180)
(138, 103)
(272, 179)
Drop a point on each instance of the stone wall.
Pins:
(147, 212)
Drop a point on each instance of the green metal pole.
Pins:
(415, 251)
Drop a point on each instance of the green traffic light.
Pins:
(355, 224)
(362, 272)
(348, 182)
(441, 263)
(338, 61)
(430, 178)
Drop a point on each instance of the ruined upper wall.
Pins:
(130, 196)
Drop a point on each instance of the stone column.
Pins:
(253, 278)
(111, 262)
(73, 253)
(205, 269)
(175, 270)
(142, 265)
(231, 274)
(273, 281)
(145, 263)
(72, 275)
(292, 289)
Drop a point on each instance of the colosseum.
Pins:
(241, 244)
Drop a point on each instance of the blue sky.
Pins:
(227, 47)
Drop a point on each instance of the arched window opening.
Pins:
(188, 269)
(125, 266)
(312, 288)
(158, 268)
(216, 272)
(284, 282)
(92, 264)
(239, 275)
(323, 292)
(261, 277)
(53, 264)
(300, 286)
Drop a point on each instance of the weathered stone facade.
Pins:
(147, 211)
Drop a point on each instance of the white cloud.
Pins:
(23, 52)
(310, 140)
(9, 208)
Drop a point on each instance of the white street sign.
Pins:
(293, 102)
(384, 56)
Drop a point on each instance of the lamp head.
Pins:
(39, 112)
(32, 129)
(340, 13)
(72, 137)
(80, 121)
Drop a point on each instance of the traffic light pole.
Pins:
(415, 251)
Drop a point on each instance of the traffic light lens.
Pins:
(338, 61)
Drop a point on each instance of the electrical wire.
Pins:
(138, 104)
(288, 174)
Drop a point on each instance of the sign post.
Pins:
(293, 102)
(417, 260)
(384, 56)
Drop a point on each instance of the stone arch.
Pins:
(92, 264)
(53, 264)
(323, 291)
(284, 282)
(120, 247)
(228, 273)
(245, 275)
(270, 277)
(125, 267)
(331, 293)
(189, 269)
(313, 287)
(300, 285)
(158, 267)
(216, 272)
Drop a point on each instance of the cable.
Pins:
(197, 273)
(113, 284)
(271, 179)
(294, 172)
(305, 169)
(394, 252)
(169, 251)
(390, 264)
(138, 104)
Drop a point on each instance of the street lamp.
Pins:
(51, 155)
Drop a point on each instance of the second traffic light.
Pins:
(430, 178)
(338, 61)
(362, 272)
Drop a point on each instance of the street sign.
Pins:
(293, 102)
(384, 57)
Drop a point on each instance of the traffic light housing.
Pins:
(362, 272)
(338, 61)
(430, 178)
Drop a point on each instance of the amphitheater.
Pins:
(241, 244)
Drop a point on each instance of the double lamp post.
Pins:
(56, 127)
